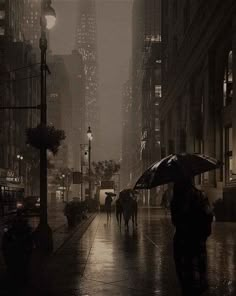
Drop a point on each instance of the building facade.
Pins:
(146, 88)
(60, 116)
(75, 69)
(151, 99)
(86, 45)
(126, 156)
(19, 86)
(137, 78)
(199, 89)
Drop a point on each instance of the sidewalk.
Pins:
(109, 261)
(61, 236)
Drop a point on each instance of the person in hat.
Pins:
(108, 202)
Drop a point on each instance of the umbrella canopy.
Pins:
(174, 167)
(110, 193)
(127, 193)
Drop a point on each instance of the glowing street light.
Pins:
(20, 158)
(50, 15)
(90, 137)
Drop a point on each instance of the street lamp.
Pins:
(20, 158)
(90, 137)
(48, 17)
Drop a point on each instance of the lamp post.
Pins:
(20, 158)
(90, 137)
(83, 153)
(48, 18)
(63, 188)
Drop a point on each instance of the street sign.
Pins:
(77, 178)
(107, 184)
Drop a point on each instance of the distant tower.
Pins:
(86, 45)
(31, 22)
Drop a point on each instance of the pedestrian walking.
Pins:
(108, 202)
(192, 217)
(119, 211)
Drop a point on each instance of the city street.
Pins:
(117, 103)
(107, 261)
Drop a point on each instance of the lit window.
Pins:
(157, 124)
(2, 31)
(158, 92)
(228, 80)
(229, 176)
(2, 14)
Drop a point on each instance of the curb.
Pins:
(79, 229)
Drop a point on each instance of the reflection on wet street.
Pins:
(110, 261)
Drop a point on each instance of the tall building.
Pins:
(137, 77)
(146, 87)
(75, 69)
(11, 15)
(60, 116)
(152, 27)
(199, 89)
(31, 21)
(126, 155)
(86, 45)
(19, 86)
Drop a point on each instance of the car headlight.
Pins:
(19, 205)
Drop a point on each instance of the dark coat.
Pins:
(108, 202)
(192, 217)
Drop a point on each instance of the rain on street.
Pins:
(109, 261)
(119, 104)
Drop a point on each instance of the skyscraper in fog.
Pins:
(86, 45)
(31, 22)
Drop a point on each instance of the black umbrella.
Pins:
(174, 167)
(129, 191)
(110, 193)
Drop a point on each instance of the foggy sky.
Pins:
(114, 51)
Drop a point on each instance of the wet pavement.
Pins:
(56, 220)
(107, 261)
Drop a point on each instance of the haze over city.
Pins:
(117, 147)
(114, 53)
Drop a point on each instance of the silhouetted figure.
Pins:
(108, 202)
(119, 211)
(135, 211)
(129, 208)
(17, 245)
(192, 217)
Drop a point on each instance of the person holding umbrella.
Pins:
(192, 217)
(108, 202)
(190, 212)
